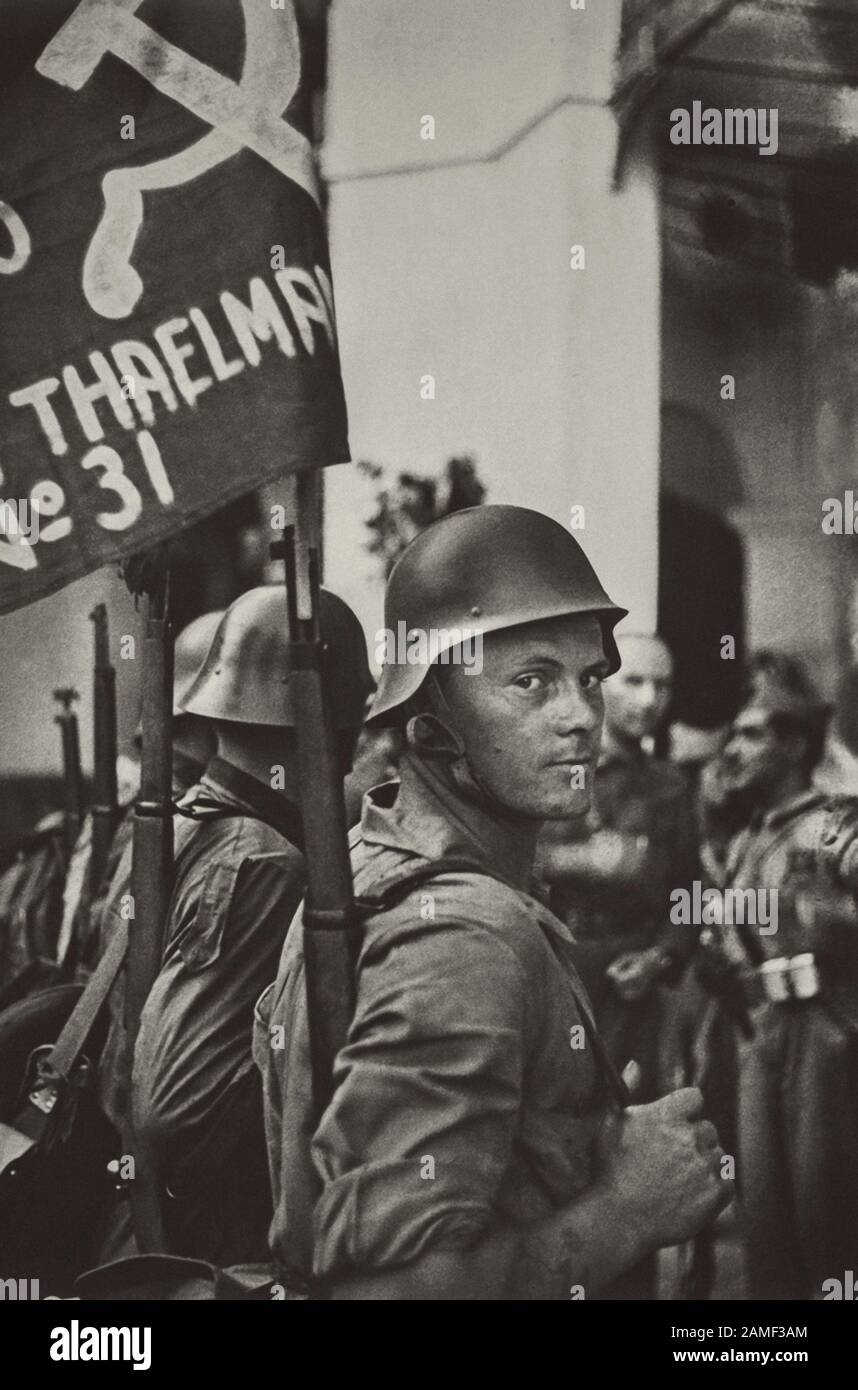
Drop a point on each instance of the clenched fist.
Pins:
(662, 1163)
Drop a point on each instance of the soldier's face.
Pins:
(637, 697)
(754, 758)
(531, 720)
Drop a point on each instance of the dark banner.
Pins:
(167, 336)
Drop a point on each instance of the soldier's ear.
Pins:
(428, 734)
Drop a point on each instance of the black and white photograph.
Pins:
(429, 668)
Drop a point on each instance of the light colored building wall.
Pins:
(792, 432)
(49, 644)
(452, 258)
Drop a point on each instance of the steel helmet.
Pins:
(481, 570)
(189, 652)
(245, 676)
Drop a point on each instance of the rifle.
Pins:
(151, 880)
(105, 804)
(331, 937)
(72, 778)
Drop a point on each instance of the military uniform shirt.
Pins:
(195, 1093)
(237, 886)
(466, 1095)
(798, 1075)
(779, 853)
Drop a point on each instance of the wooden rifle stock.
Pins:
(151, 885)
(330, 936)
(105, 796)
(72, 777)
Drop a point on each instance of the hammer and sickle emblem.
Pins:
(246, 114)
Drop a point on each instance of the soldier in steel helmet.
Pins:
(474, 1146)
(240, 874)
(796, 965)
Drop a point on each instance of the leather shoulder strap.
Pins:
(70, 1043)
(397, 885)
(208, 808)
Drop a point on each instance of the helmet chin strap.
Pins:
(434, 734)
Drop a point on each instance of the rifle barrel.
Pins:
(72, 776)
(152, 864)
(151, 884)
(105, 804)
(330, 937)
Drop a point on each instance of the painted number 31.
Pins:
(47, 499)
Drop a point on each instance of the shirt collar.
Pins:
(230, 783)
(425, 814)
(794, 806)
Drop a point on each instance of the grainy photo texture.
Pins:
(429, 621)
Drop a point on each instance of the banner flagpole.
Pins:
(151, 883)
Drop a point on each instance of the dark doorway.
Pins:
(701, 575)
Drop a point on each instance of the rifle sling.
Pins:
(69, 1045)
(31, 1121)
(71, 1041)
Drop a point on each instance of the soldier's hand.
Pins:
(662, 1162)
